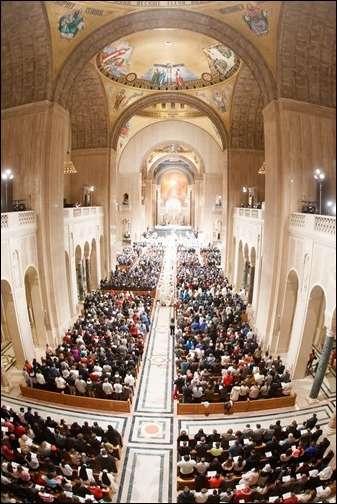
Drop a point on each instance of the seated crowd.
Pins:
(128, 256)
(100, 355)
(274, 463)
(218, 357)
(43, 460)
(144, 273)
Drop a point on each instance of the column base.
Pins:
(329, 431)
(6, 389)
(310, 400)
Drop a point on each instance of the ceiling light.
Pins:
(168, 43)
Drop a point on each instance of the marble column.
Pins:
(322, 365)
(4, 380)
(331, 427)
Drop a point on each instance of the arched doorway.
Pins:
(69, 285)
(102, 258)
(94, 265)
(79, 273)
(87, 268)
(9, 325)
(34, 307)
(314, 331)
(288, 313)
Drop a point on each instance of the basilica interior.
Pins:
(210, 124)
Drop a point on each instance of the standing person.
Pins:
(172, 326)
(311, 358)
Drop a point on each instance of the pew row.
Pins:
(238, 406)
(90, 403)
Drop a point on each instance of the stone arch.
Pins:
(142, 103)
(162, 18)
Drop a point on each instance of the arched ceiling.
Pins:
(89, 114)
(26, 62)
(51, 50)
(307, 52)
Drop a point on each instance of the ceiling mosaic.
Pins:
(167, 60)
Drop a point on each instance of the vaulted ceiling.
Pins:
(102, 61)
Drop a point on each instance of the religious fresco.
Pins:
(137, 64)
(173, 185)
(256, 19)
(130, 65)
(70, 24)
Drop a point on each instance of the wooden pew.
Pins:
(90, 403)
(238, 406)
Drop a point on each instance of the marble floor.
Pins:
(147, 470)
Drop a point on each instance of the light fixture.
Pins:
(319, 175)
(245, 189)
(262, 170)
(7, 176)
(69, 168)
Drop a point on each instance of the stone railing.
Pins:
(322, 227)
(18, 221)
(73, 213)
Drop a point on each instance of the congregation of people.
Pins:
(142, 274)
(44, 460)
(218, 358)
(217, 355)
(100, 355)
(270, 463)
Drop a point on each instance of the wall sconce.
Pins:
(262, 170)
(320, 176)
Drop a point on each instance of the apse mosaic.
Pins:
(167, 64)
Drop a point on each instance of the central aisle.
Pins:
(147, 471)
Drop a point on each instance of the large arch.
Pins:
(142, 103)
(163, 18)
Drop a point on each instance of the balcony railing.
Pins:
(12, 221)
(72, 213)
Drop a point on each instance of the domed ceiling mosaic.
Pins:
(167, 60)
